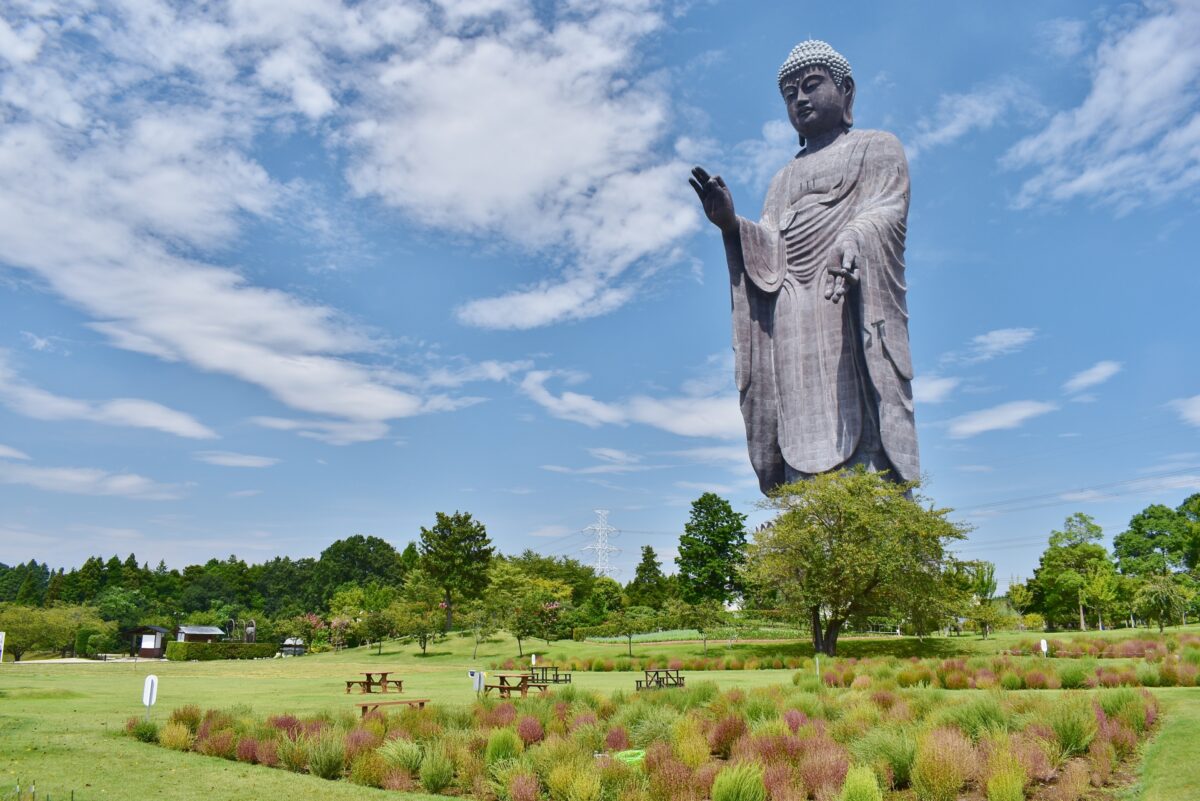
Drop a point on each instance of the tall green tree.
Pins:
(1100, 588)
(712, 551)
(706, 617)
(1162, 598)
(649, 585)
(1158, 541)
(1060, 579)
(847, 544)
(456, 553)
(356, 560)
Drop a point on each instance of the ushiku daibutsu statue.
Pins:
(820, 319)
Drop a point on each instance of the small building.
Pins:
(198, 634)
(293, 646)
(148, 642)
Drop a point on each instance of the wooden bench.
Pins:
(371, 706)
(363, 684)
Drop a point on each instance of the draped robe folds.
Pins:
(819, 379)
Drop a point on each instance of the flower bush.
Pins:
(781, 743)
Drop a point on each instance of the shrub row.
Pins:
(203, 651)
(780, 743)
(1104, 648)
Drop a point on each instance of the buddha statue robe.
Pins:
(826, 385)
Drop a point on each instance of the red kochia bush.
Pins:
(266, 752)
(359, 741)
(823, 768)
(725, 733)
(247, 749)
(529, 729)
(616, 739)
(288, 724)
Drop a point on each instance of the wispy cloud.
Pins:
(26, 399)
(1095, 375)
(1119, 146)
(549, 531)
(1005, 416)
(933, 389)
(958, 115)
(246, 493)
(88, 481)
(1188, 409)
(686, 415)
(231, 459)
(12, 453)
(989, 345)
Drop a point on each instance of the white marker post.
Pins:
(477, 677)
(150, 693)
(1045, 649)
(1, 646)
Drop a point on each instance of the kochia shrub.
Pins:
(945, 760)
(502, 744)
(437, 771)
(175, 736)
(725, 733)
(369, 769)
(1074, 724)
(861, 785)
(740, 782)
(327, 755)
(403, 754)
(890, 752)
(530, 730)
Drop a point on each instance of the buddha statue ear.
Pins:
(848, 108)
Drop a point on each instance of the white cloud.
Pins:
(537, 133)
(333, 432)
(127, 168)
(933, 389)
(614, 455)
(12, 453)
(707, 486)
(687, 415)
(1004, 416)
(989, 345)
(1095, 375)
(1135, 137)
(756, 160)
(87, 481)
(30, 401)
(1188, 409)
(231, 459)
(246, 493)
(959, 114)
(732, 455)
(599, 469)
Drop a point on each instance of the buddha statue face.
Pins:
(816, 105)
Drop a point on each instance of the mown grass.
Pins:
(59, 723)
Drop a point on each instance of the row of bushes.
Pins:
(1102, 648)
(204, 651)
(600, 634)
(780, 743)
(1009, 673)
(637, 664)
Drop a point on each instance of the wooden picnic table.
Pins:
(370, 682)
(507, 683)
(548, 674)
(660, 677)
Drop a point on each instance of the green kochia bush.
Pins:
(740, 782)
(861, 786)
(891, 752)
(437, 771)
(403, 754)
(327, 755)
(1074, 724)
(204, 651)
(502, 744)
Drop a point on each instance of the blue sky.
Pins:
(272, 274)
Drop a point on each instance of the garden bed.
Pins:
(780, 743)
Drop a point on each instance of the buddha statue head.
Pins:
(818, 89)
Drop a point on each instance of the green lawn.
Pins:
(59, 723)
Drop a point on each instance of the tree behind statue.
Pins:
(851, 544)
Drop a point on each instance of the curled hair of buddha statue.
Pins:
(816, 53)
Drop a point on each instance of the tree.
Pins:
(712, 551)
(1157, 542)
(482, 620)
(846, 544)
(1059, 581)
(22, 629)
(629, 622)
(1100, 589)
(455, 554)
(983, 587)
(380, 624)
(1019, 597)
(1162, 599)
(356, 560)
(706, 617)
(419, 614)
(124, 607)
(649, 585)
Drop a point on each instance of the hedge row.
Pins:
(204, 651)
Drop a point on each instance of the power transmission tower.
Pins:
(601, 530)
